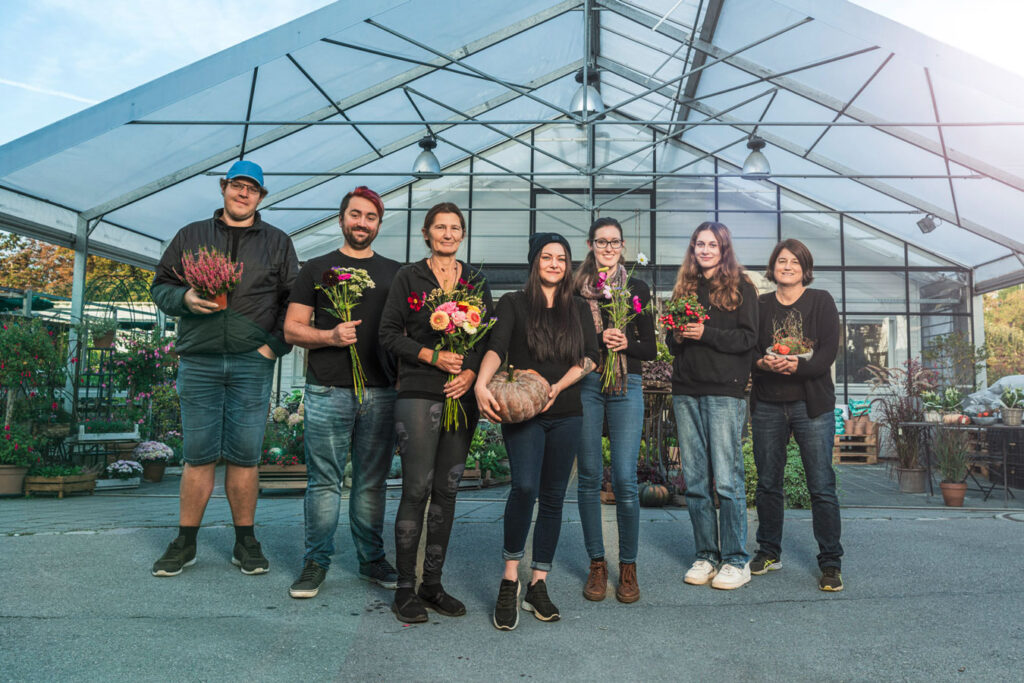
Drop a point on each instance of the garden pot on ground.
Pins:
(953, 493)
(911, 480)
(11, 479)
(153, 470)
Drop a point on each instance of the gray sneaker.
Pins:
(248, 556)
(308, 583)
(379, 572)
(175, 558)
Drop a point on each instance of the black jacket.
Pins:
(256, 307)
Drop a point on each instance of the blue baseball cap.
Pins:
(247, 169)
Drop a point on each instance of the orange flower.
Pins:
(439, 320)
(473, 317)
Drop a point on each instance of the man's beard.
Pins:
(356, 241)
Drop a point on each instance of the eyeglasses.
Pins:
(604, 244)
(241, 187)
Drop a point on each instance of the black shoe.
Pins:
(831, 580)
(308, 583)
(248, 556)
(177, 556)
(379, 572)
(764, 563)
(538, 602)
(506, 610)
(436, 599)
(408, 608)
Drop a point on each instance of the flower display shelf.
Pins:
(282, 477)
(78, 483)
(100, 437)
(118, 484)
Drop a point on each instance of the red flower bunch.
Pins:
(682, 312)
(416, 300)
(209, 272)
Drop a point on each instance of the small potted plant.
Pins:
(122, 474)
(952, 400)
(1013, 406)
(17, 451)
(154, 457)
(59, 479)
(211, 274)
(108, 430)
(950, 449)
(932, 406)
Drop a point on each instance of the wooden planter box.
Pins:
(78, 483)
(489, 479)
(473, 473)
(283, 477)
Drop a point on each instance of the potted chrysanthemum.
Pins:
(154, 457)
(121, 474)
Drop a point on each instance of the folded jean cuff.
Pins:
(541, 566)
(506, 555)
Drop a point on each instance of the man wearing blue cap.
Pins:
(227, 360)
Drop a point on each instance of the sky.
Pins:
(58, 57)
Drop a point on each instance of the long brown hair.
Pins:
(725, 283)
(553, 337)
(587, 272)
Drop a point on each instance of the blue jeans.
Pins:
(540, 454)
(710, 429)
(625, 414)
(224, 402)
(771, 424)
(336, 425)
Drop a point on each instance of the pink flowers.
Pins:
(209, 272)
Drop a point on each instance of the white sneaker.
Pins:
(700, 573)
(731, 577)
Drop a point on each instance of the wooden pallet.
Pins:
(850, 449)
(282, 478)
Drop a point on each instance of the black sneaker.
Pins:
(177, 557)
(308, 583)
(831, 580)
(506, 609)
(379, 572)
(248, 556)
(764, 563)
(538, 602)
(436, 599)
(408, 608)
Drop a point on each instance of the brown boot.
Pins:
(597, 581)
(628, 590)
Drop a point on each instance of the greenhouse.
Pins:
(889, 154)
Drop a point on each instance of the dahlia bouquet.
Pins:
(344, 287)
(211, 273)
(458, 316)
(621, 306)
(680, 312)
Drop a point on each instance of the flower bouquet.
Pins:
(683, 311)
(459, 316)
(788, 338)
(344, 287)
(621, 307)
(211, 274)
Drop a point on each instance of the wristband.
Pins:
(433, 359)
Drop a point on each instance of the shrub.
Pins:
(794, 479)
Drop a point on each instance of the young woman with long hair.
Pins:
(622, 405)
(433, 458)
(796, 396)
(546, 329)
(709, 380)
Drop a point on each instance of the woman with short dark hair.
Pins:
(544, 328)
(794, 393)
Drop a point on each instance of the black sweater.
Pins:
(404, 332)
(641, 343)
(508, 340)
(717, 364)
(812, 380)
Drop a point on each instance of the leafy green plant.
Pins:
(950, 450)
(952, 399)
(794, 478)
(17, 446)
(1013, 398)
(107, 426)
(43, 470)
(487, 451)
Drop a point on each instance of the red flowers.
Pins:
(466, 284)
(416, 300)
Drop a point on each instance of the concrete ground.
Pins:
(931, 594)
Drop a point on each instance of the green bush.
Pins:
(794, 479)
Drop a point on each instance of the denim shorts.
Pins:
(225, 398)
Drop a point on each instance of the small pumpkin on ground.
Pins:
(521, 394)
(654, 495)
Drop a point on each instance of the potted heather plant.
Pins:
(122, 474)
(211, 274)
(154, 457)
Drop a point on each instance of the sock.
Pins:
(243, 532)
(189, 532)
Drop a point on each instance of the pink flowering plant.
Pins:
(122, 469)
(459, 317)
(621, 306)
(32, 364)
(209, 272)
(17, 446)
(343, 288)
(145, 363)
(153, 451)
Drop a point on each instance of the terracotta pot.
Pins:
(953, 493)
(221, 300)
(11, 479)
(153, 470)
(911, 480)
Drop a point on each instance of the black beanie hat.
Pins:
(540, 239)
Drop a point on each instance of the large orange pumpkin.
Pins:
(520, 394)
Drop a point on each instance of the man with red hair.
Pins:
(337, 421)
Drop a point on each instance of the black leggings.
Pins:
(432, 464)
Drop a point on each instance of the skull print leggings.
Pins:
(432, 464)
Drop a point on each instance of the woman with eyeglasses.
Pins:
(709, 382)
(433, 458)
(621, 404)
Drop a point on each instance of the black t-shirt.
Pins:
(332, 365)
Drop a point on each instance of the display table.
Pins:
(1006, 450)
